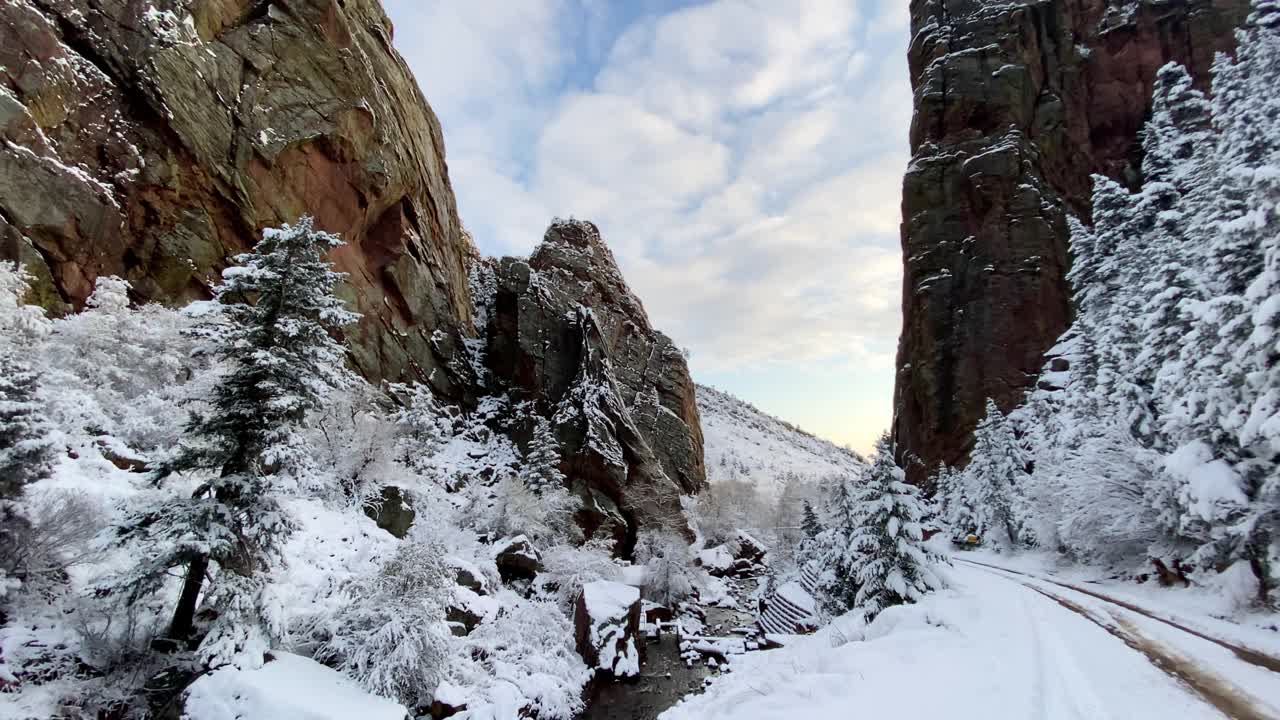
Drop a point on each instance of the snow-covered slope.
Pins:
(742, 442)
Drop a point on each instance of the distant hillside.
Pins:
(743, 442)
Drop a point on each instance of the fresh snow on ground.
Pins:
(988, 647)
(741, 442)
(290, 687)
(1212, 610)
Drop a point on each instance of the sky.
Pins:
(742, 158)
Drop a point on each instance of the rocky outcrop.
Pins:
(1016, 104)
(154, 140)
(565, 333)
(606, 619)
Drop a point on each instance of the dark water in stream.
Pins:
(664, 676)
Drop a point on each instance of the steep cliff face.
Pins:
(1016, 105)
(153, 140)
(565, 333)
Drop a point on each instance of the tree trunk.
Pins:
(184, 615)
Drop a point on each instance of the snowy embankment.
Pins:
(988, 647)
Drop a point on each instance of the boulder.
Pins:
(607, 628)
(745, 547)
(1016, 106)
(718, 561)
(518, 559)
(392, 512)
(469, 576)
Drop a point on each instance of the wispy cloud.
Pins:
(743, 159)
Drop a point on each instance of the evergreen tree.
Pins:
(26, 443)
(883, 556)
(278, 362)
(541, 469)
(809, 523)
(831, 550)
(995, 468)
(26, 451)
(1176, 142)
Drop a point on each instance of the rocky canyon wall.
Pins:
(1016, 105)
(155, 140)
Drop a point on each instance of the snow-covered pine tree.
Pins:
(884, 554)
(278, 361)
(1176, 143)
(26, 442)
(1252, 146)
(830, 551)
(809, 522)
(541, 468)
(26, 449)
(953, 503)
(996, 467)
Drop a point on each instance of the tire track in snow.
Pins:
(1247, 654)
(1039, 705)
(1072, 683)
(1212, 688)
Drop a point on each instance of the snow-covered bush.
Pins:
(545, 515)
(358, 443)
(389, 633)
(520, 663)
(566, 568)
(726, 507)
(116, 374)
(668, 563)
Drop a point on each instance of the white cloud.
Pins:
(743, 158)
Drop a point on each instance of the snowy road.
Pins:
(1091, 667)
(996, 646)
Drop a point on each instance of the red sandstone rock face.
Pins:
(1017, 104)
(155, 140)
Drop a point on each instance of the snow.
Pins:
(609, 600)
(798, 596)
(289, 687)
(1211, 483)
(986, 648)
(717, 558)
(743, 442)
(608, 604)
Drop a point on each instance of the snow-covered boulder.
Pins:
(607, 628)
(745, 547)
(518, 559)
(717, 560)
(288, 687)
(469, 576)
